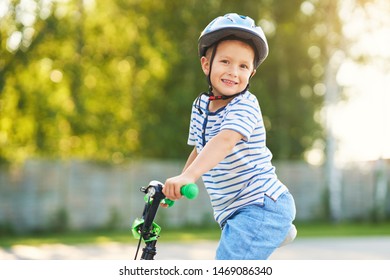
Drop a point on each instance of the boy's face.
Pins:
(232, 67)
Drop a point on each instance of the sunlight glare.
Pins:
(361, 122)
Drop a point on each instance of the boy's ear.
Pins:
(253, 73)
(205, 63)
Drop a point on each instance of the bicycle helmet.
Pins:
(232, 24)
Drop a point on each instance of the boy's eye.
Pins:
(244, 66)
(225, 61)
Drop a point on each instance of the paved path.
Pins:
(353, 248)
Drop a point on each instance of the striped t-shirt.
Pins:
(246, 174)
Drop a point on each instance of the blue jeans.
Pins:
(255, 231)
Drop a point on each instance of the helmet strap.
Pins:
(210, 91)
(225, 97)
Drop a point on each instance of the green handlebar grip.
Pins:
(190, 191)
(168, 202)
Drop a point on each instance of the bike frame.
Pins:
(145, 228)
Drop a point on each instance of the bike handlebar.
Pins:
(189, 191)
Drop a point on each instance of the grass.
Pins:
(343, 229)
(189, 234)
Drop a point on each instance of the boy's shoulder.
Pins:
(246, 98)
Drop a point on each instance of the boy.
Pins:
(253, 208)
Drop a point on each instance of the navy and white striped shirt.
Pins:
(246, 174)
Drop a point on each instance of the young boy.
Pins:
(253, 208)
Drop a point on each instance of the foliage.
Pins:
(111, 80)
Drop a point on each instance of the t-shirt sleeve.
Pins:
(191, 134)
(243, 118)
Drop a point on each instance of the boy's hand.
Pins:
(173, 186)
(164, 205)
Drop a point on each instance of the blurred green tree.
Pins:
(110, 80)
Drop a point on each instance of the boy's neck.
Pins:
(215, 105)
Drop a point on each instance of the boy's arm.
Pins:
(191, 158)
(214, 152)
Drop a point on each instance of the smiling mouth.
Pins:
(229, 82)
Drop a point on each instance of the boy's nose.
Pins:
(233, 70)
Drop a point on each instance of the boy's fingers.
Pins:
(178, 193)
(169, 193)
(172, 191)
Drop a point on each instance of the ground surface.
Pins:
(341, 248)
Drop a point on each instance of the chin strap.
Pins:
(212, 97)
(224, 97)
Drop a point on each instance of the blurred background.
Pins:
(95, 101)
